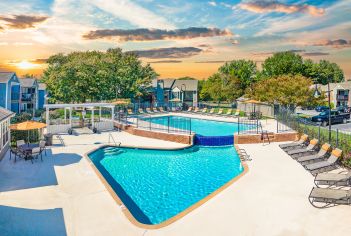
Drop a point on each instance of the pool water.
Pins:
(156, 185)
(200, 126)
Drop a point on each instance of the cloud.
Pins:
(173, 52)
(313, 54)
(210, 61)
(22, 21)
(338, 43)
(165, 61)
(275, 6)
(212, 3)
(124, 35)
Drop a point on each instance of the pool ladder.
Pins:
(110, 137)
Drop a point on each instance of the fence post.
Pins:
(150, 122)
(257, 126)
(319, 132)
(137, 121)
(238, 124)
(276, 118)
(190, 125)
(168, 124)
(337, 137)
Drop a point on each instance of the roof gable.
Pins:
(4, 114)
(6, 76)
(28, 82)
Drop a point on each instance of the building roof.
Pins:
(342, 85)
(27, 82)
(6, 76)
(4, 114)
(186, 85)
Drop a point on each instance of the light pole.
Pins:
(183, 93)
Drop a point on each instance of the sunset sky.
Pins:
(178, 37)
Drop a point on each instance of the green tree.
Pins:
(283, 63)
(286, 90)
(95, 76)
(326, 71)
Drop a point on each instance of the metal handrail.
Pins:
(113, 139)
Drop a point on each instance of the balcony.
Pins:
(27, 97)
(342, 97)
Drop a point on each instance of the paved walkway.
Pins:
(63, 195)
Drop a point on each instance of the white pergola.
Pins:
(70, 107)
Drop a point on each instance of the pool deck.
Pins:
(63, 194)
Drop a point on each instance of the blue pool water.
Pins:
(200, 126)
(156, 185)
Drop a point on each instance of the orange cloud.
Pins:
(338, 43)
(275, 6)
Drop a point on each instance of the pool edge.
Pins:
(175, 218)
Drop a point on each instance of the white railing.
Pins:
(104, 125)
(58, 129)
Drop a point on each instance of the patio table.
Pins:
(27, 148)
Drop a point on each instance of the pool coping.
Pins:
(175, 218)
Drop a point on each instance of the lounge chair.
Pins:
(211, 112)
(299, 143)
(189, 109)
(324, 166)
(148, 110)
(16, 152)
(154, 110)
(333, 179)
(316, 157)
(328, 197)
(301, 151)
(141, 111)
(220, 112)
(36, 152)
(229, 112)
(196, 110)
(130, 112)
(162, 110)
(237, 113)
(204, 111)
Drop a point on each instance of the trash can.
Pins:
(48, 139)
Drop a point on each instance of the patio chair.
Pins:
(324, 166)
(154, 110)
(16, 152)
(301, 151)
(316, 157)
(189, 109)
(211, 112)
(36, 152)
(303, 139)
(229, 112)
(204, 111)
(333, 179)
(20, 143)
(328, 197)
(42, 146)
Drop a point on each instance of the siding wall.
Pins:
(41, 99)
(3, 99)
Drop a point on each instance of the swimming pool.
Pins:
(156, 185)
(200, 126)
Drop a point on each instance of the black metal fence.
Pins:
(288, 121)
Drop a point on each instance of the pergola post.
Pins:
(65, 113)
(70, 117)
(113, 113)
(47, 117)
(100, 113)
(92, 118)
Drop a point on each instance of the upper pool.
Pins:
(156, 185)
(202, 127)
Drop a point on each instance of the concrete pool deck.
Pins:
(63, 194)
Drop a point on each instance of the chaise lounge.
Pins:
(329, 197)
(333, 179)
(324, 166)
(301, 151)
(299, 143)
(316, 157)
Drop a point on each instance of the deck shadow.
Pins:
(23, 221)
(23, 174)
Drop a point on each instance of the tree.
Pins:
(328, 72)
(95, 76)
(287, 90)
(283, 63)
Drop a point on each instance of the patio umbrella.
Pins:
(254, 103)
(27, 125)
